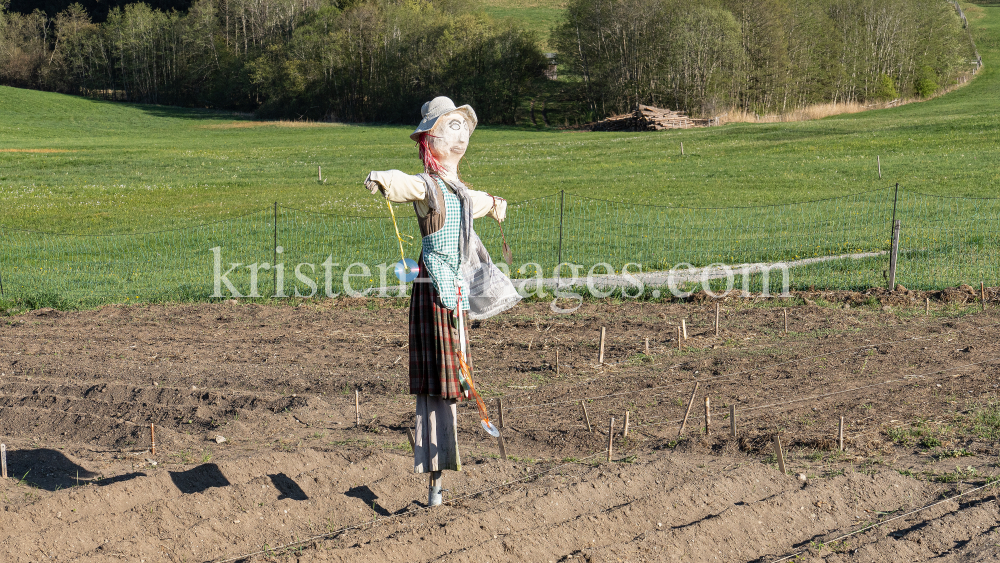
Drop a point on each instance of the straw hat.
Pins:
(439, 107)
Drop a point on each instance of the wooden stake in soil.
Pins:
(732, 421)
(357, 408)
(879, 160)
(982, 290)
(786, 320)
(682, 148)
(647, 345)
(500, 412)
(688, 411)
(413, 441)
(708, 416)
(684, 328)
(152, 438)
(678, 338)
(780, 456)
(600, 359)
(717, 319)
(502, 444)
(557, 362)
(3, 460)
(840, 435)
(611, 437)
(586, 416)
(320, 172)
(927, 306)
(625, 431)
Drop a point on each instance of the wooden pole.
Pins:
(678, 338)
(779, 454)
(152, 438)
(717, 319)
(684, 328)
(502, 444)
(557, 362)
(357, 408)
(600, 358)
(927, 306)
(879, 160)
(500, 412)
(732, 421)
(611, 437)
(688, 411)
(586, 416)
(413, 441)
(682, 148)
(786, 320)
(320, 172)
(982, 290)
(840, 435)
(625, 431)
(894, 255)
(708, 416)
(647, 345)
(3, 459)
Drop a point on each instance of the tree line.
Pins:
(760, 55)
(379, 60)
(373, 60)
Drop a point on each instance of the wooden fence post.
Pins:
(732, 420)
(625, 431)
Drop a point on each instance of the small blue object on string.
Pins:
(407, 270)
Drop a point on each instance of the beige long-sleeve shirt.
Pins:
(400, 187)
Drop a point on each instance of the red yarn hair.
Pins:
(431, 164)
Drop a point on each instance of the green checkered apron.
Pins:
(441, 252)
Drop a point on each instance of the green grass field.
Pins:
(72, 165)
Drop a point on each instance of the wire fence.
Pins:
(836, 243)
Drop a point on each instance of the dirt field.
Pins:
(297, 480)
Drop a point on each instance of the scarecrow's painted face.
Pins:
(451, 138)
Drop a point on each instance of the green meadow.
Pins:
(81, 170)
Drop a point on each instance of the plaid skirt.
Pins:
(434, 343)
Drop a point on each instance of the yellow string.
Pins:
(399, 237)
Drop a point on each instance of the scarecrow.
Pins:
(453, 278)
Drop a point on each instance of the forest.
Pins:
(378, 60)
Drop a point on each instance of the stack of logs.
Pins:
(649, 118)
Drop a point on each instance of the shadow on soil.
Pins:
(47, 469)
(199, 479)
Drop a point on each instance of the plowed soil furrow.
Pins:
(254, 408)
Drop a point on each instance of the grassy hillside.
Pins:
(118, 168)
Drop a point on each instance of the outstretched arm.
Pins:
(396, 186)
(484, 204)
